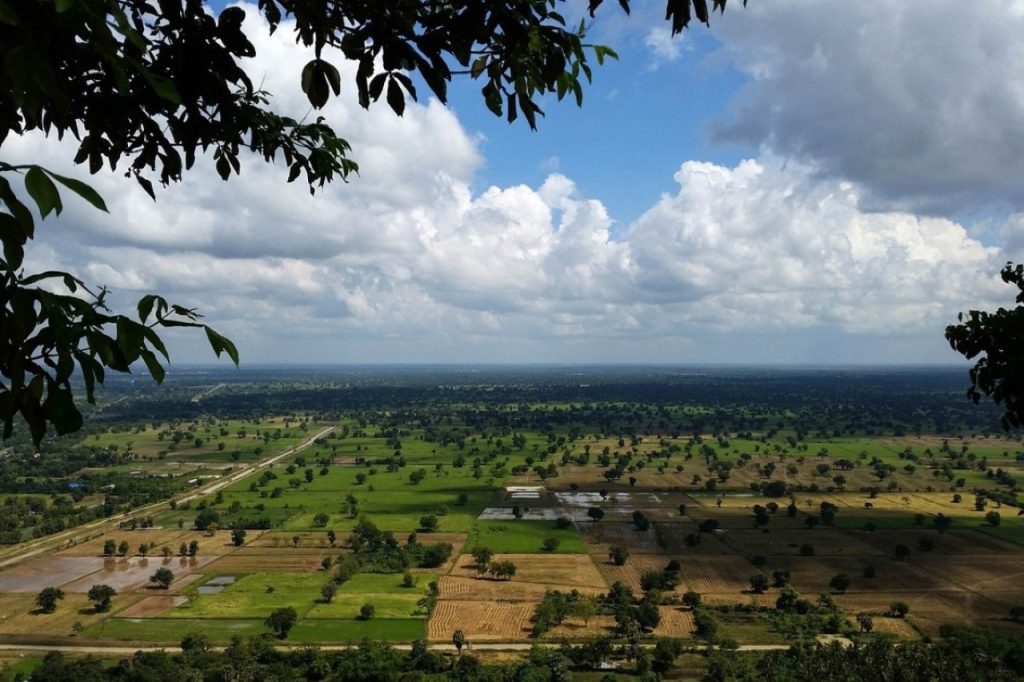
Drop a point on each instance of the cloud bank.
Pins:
(815, 235)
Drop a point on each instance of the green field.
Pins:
(524, 537)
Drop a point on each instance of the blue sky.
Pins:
(641, 116)
(817, 181)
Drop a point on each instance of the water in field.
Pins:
(216, 585)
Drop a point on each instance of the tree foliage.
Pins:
(997, 340)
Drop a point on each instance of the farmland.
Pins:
(387, 510)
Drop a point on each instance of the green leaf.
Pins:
(221, 344)
(396, 100)
(145, 306)
(60, 410)
(18, 210)
(333, 77)
(8, 15)
(81, 189)
(130, 338)
(156, 370)
(64, 5)
(43, 191)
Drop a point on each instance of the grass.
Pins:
(255, 596)
(524, 537)
(174, 629)
(221, 630)
(394, 630)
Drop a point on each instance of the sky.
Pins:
(806, 181)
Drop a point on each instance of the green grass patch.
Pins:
(394, 630)
(255, 596)
(173, 630)
(524, 537)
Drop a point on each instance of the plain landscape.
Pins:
(498, 508)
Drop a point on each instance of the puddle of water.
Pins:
(216, 585)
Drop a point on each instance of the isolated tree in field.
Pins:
(595, 513)
(408, 579)
(901, 552)
(206, 518)
(101, 596)
(865, 622)
(992, 518)
(238, 537)
(122, 548)
(163, 577)
(691, 599)
(367, 611)
(325, 563)
(281, 621)
(416, 477)
(482, 558)
(320, 520)
(428, 523)
(193, 548)
(758, 583)
(332, 537)
(328, 591)
(109, 547)
(618, 555)
(295, 540)
(550, 544)
(840, 582)
(899, 609)
(47, 599)
(780, 577)
(459, 640)
(502, 570)
(196, 643)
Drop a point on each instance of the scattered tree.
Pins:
(47, 599)
(281, 621)
(101, 596)
(163, 577)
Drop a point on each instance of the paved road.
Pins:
(94, 528)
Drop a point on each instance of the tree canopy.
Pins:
(998, 338)
(149, 87)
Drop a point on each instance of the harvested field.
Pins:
(953, 542)
(154, 537)
(675, 622)
(775, 542)
(982, 574)
(276, 562)
(634, 568)
(601, 536)
(812, 574)
(150, 607)
(898, 627)
(20, 617)
(929, 610)
(717, 574)
(217, 544)
(560, 571)
(460, 588)
(482, 621)
(307, 540)
(571, 629)
(673, 537)
(48, 571)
